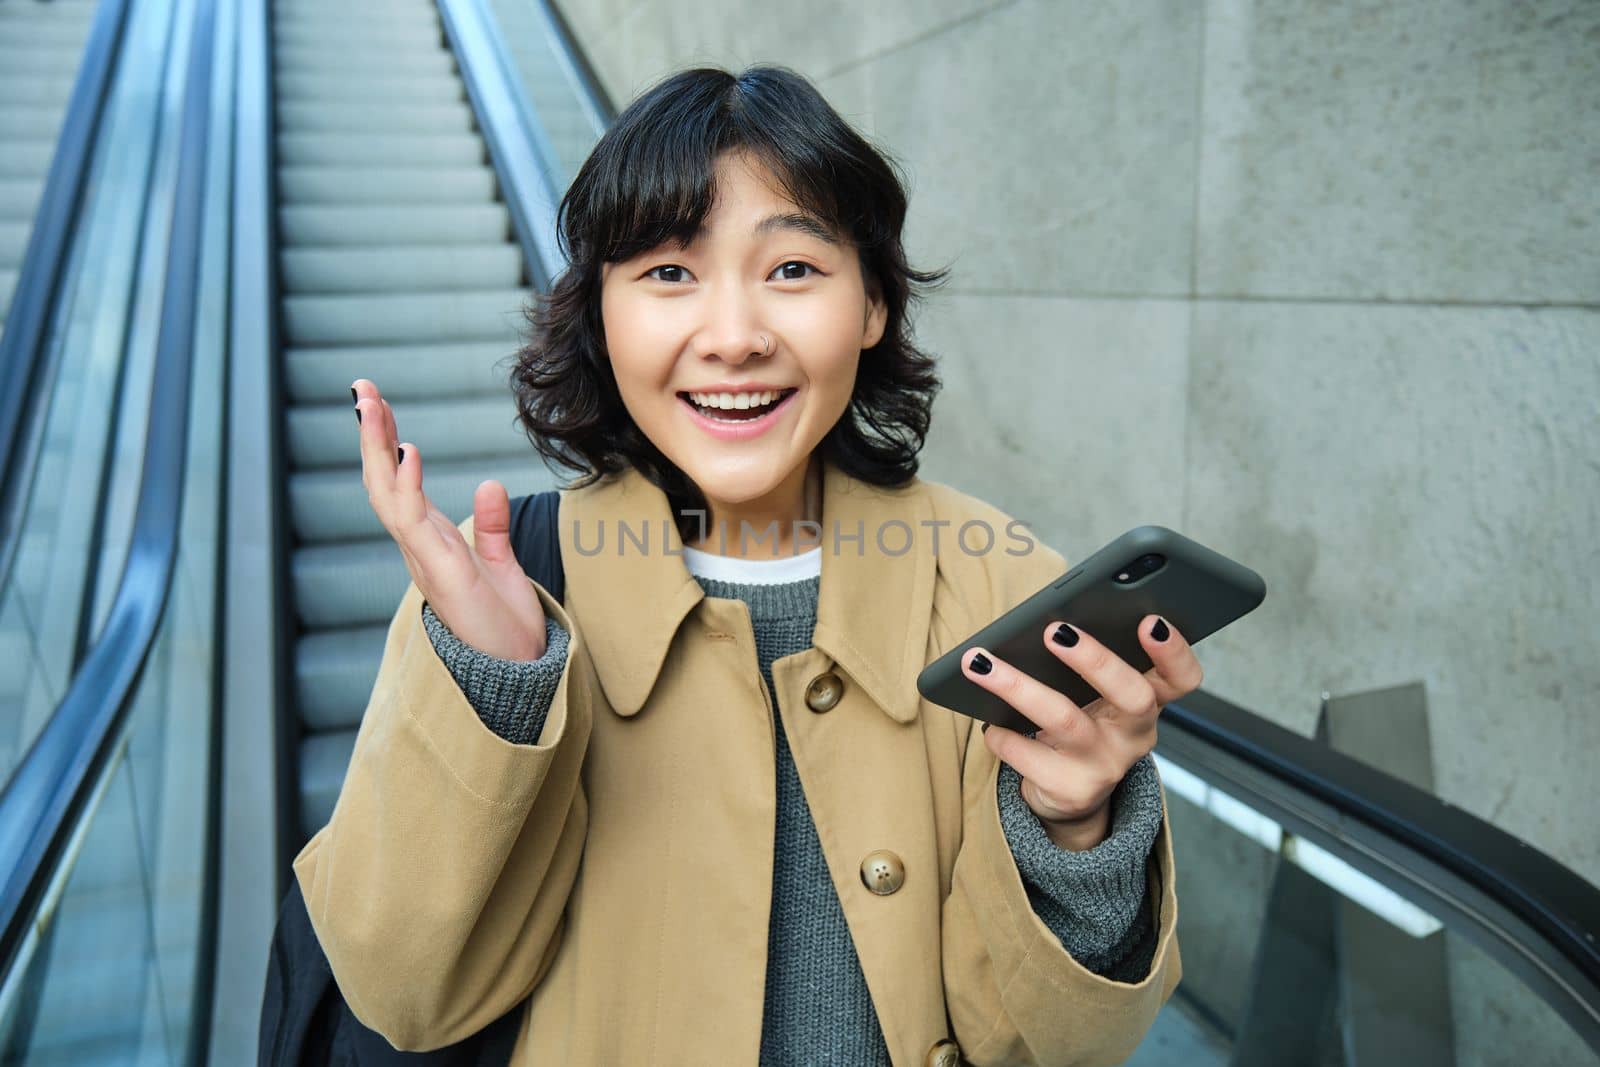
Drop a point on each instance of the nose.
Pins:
(731, 330)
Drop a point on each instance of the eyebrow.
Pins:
(799, 222)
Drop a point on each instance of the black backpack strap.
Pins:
(536, 541)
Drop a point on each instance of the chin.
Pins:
(738, 480)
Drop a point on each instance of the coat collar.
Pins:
(873, 610)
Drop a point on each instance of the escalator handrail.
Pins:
(1550, 898)
(44, 262)
(518, 147)
(40, 803)
(592, 93)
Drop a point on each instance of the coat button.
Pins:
(824, 692)
(944, 1053)
(882, 872)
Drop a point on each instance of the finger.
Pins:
(1047, 708)
(1063, 785)
(1176, 672)
(1123, 688)
(410, 503)
(377, 455)
(388, 417)
(491, 538)
(491, 524)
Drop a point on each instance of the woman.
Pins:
(699, 811)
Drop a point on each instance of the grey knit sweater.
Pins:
(1094, 901)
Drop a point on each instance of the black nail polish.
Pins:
(986, 726)
(402, 455)
(353, 397)
(980, 664)
(1159, 631)
(358, 416)
(1064, 635)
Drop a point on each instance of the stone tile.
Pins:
(634, 46)
(1068, 414)
(1050, 146)
(1420, 151)
(1418, 487)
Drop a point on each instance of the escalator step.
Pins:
(350, 19)
(13, 242)
(304, 85)
(422, 59)
(32, 89)
(409, 318)
(332, 505)
(351, 583)
(400, 35)
(403, 372)
(325, 436)
(370, 149)
(19, 197)
(446, 224)
(29, 123)
(304, 117)
(396, 268)
(388, 185)
(323, 761)
(26, 158)
(333, 675)
(39, 57)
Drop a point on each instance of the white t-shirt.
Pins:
(774, 571)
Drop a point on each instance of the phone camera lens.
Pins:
(1151, 563)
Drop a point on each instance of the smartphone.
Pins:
(1148, 570)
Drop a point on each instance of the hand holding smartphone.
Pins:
(1148, 570)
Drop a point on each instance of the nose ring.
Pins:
(766, 344)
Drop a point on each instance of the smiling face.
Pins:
(763, 300)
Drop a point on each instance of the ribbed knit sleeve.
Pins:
(511, 697)
(1094, 900)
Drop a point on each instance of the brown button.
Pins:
(945, 1053)
(824, 692)
(882, 872)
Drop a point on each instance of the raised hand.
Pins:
(1070, 767)
(480, 590)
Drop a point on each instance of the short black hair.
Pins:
(651, 179)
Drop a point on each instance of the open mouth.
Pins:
(737, 415)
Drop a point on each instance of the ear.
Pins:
(877, 319)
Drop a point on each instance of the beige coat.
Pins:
(621, 869)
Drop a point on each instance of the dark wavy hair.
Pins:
(651, 179)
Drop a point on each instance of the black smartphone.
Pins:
(1148, 570)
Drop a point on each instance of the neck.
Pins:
(767, 526)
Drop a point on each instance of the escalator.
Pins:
(367, 190)
(41, 44)
(397, 263)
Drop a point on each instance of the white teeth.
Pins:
(734, 401)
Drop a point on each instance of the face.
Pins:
(761, 302)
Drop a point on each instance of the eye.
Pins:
(785, 274)
(671, 272)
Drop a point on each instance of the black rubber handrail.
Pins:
(44, 263)
(1381, 816)
(42, 800)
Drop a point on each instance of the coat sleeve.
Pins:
(438, 886)
(1014, 993)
